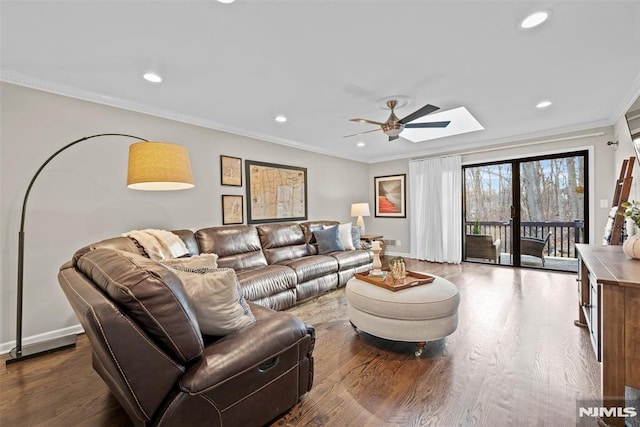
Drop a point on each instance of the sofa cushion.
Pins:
(260, 282)
(189, 239)
(282, 241)
(152, 296)
(311, 267)
(328, 240)
(237, 246)
(352, 259)
(215, 296)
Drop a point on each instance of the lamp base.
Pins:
(41, 348)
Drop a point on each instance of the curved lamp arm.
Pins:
(17, 352)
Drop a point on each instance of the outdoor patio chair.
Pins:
(482, 246)
(534, 246)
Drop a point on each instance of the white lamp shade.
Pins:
(159, 166)
(360, 209)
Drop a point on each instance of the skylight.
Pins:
(461, 122)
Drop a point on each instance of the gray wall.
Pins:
(81, 196)
(603, 170)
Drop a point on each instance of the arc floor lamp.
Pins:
(152, 166)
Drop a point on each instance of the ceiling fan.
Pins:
(394, 126)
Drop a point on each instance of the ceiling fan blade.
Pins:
(427, 125)
(366, 121)
(427, 109)
(391, 138)
(361, 133)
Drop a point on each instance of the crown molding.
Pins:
(16, 78)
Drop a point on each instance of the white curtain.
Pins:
(435, 206)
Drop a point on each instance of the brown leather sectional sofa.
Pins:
(148, 348)
(278, 264)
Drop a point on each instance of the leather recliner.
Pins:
(147, 346)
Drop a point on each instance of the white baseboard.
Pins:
(71, 330)
(402, 254)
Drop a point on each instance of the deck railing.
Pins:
(562, 241)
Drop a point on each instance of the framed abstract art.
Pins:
(390, 196)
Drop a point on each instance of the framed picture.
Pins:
(275, 192)
(390, 196)
(232, 209)
(231, 171)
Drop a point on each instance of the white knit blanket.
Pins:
(159, 244)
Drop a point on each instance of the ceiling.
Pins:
(234, 67)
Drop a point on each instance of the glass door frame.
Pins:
(516, 200)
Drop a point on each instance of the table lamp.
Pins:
(152, 166)
(360, 210)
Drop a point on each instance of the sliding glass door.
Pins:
(526, 212)
(552, 211)
(487, 209)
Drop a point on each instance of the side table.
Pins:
(370, 238)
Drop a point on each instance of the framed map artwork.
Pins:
(390, 196)
(232, 209)
(275, 192)
(231, 171)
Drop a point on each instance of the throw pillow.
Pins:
(194, 262)
(344, 230)
(355, 237)
(214, 294)
(328, 240)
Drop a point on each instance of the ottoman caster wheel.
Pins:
(420, 347)
(355, 328)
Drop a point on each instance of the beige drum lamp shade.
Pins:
(360, 210)
(159, 166)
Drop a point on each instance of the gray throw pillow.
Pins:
(355, 236)
(215, 295)
(328, 240)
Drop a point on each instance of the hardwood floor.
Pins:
(515, 359)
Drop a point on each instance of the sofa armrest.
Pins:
(271, 334)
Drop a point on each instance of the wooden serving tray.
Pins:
(387, 282)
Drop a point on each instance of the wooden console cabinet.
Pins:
(609, 306)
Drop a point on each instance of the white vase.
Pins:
(631, 246)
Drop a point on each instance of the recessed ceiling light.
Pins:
(543, 104)
(152, 77)
(280, 118)
(226, 1)
(534, 19)
(360, 144)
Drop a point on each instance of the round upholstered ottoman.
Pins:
(419, 314)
